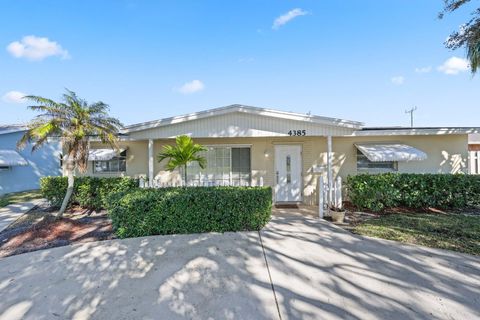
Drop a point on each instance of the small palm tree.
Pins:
(73, 121)
(180, 155)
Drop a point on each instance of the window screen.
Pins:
(225, 166)
(241, 170)
(117, 164)
(366, 166)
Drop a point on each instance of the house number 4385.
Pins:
(297, 132)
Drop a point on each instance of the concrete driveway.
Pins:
(315, 271)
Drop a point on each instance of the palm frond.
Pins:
(74, 121)
(182, 153)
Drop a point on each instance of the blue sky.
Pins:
(358, 60)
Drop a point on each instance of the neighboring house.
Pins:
(21, 170)
(474, 153)
(285, 150)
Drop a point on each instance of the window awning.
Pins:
(11, 158)
(380, 152)
(103, 154)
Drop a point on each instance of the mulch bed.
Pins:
(38, 229)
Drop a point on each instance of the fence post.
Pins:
(321, 192)
(477, 162)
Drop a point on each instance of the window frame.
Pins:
(122, 157)
(375, 167)
(5, 168)
(202, 177)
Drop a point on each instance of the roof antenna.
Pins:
(411, 111)
(309, 113)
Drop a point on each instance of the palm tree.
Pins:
(473, 53)
(73, 121)
(180, 155)
(469, 34)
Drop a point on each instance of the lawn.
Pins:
(19, 197)
(445, 231)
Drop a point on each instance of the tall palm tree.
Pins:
(469, 34)
(73, 121)
(181, 154)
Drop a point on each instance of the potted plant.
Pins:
(337, 213)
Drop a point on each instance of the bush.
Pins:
(379, 192)
(146, 212)
(88, 192)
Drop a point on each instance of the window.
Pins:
(225, 166)
(366, 166)
(241, 170)
(5, 168)
(116, 164)
(289, 169)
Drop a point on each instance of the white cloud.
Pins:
(287, 17)
(398, 80)
(423, 69)
(36, 48)
(13, 97)
(191, 87)
(454, 65)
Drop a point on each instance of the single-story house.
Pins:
(285, 150)
(21, 170)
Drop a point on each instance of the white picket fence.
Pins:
(326, 197)
(157, 183)
(474, 162)
(329, 197)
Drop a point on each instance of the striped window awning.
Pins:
(103, 154)
(11, 158)
(382, 152)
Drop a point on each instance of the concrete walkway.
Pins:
(12, 212)
(320, 271)
(317, 271)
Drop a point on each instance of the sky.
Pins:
(365, 60)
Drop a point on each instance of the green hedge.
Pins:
(89, 192)
(379, 192)
(146, 212)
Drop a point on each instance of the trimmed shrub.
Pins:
(88, 192)
(144, 212)
(378, 192)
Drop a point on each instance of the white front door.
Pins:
(288, 173)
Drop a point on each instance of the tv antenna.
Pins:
(411, 111)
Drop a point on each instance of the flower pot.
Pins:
(337, 216)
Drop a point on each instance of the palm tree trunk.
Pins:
(68, 195)
(185, 174)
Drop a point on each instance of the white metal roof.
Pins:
(247, 110)
(4, 129)
(11, 158)
(399, 131)
(380, 152)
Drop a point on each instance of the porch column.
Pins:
(329, 170)
(150, 162)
